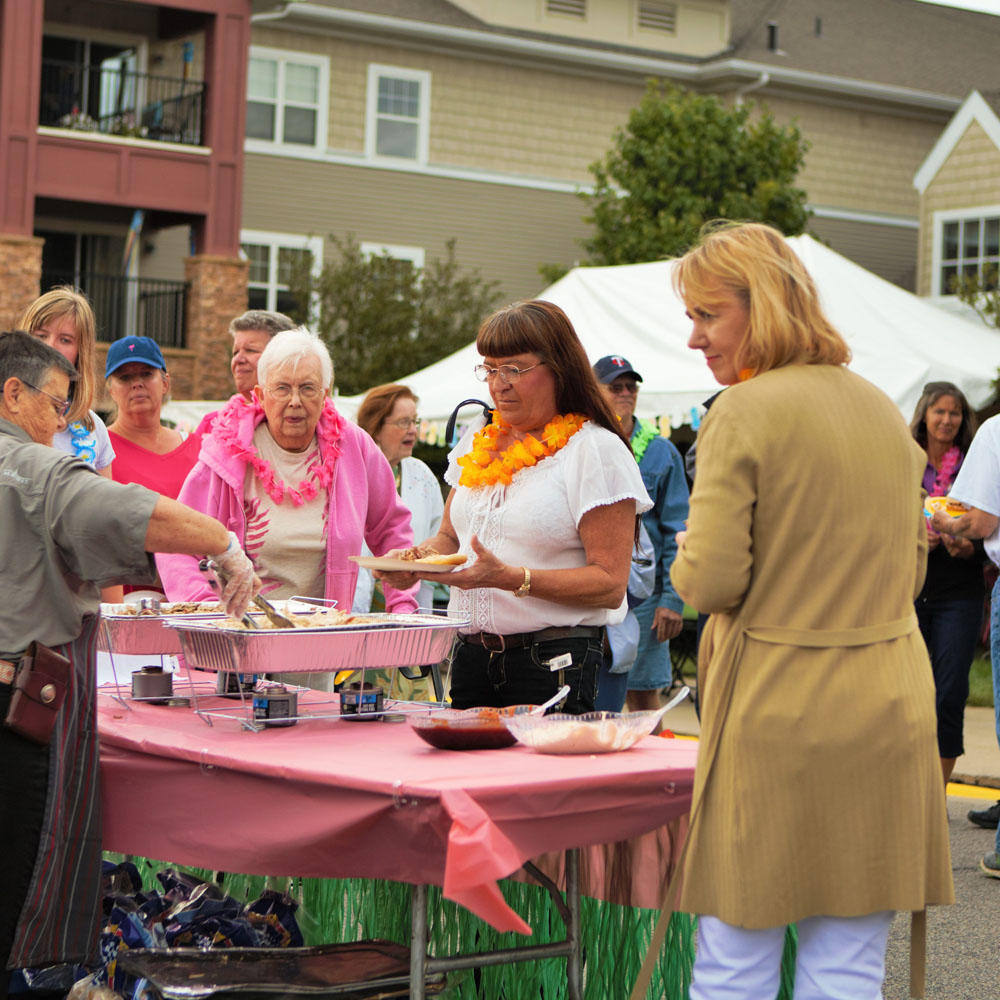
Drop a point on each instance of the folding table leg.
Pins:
(418, 940)
(574, 981)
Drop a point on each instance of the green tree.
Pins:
(682, 160)
(980, 293)
(382, 318)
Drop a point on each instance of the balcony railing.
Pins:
(114, 101)
(146, 307)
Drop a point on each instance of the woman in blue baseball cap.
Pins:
(146, 452)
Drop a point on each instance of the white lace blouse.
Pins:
(534, 522)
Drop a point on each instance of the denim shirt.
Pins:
(662, 470)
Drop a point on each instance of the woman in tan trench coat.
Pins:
(818, 795)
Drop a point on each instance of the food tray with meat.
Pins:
(361, 642)
(128, 628)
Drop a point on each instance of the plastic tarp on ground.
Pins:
(899, 341)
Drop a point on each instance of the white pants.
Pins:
(838, 958)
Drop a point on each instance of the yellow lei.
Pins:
(484, 466)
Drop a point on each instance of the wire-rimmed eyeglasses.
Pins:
(507, 373)
(404, 423)
(62, 405)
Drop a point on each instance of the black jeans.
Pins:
(24, 778)
(522, 676)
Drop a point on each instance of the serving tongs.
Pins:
(276, 618)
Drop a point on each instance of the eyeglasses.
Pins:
(624, 388)
(404, 423)
(62, 405)
(307, 391)
(507, 373)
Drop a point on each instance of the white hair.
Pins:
(289, 348)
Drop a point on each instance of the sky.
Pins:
(986, 6)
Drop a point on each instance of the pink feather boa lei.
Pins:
(329, 431)
(945, 475)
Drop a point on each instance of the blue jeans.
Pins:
(611, 688)
(950, 629)
(995, 658)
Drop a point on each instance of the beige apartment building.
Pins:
(409, 123)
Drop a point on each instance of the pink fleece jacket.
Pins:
(363, 507)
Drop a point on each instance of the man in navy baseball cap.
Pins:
(660, 615)
(141, 349)
(608, 368)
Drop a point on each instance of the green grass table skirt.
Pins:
(614, 938)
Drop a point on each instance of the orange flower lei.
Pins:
(483, 466)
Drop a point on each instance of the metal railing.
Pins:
(114, 101)
(146, 307)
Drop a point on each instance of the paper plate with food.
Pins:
(425, 564)
(953, 508)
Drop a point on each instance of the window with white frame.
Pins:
(968, 246)
(287, 96)
(398, 118)
(415, 255)
(273, 258)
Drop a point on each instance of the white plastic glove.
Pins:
(242, 580)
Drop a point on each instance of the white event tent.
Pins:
(898, 340)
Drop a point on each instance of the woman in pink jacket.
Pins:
(300, 486)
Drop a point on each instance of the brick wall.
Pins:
(20, 275)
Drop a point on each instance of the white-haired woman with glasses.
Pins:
(301, 487)
(389, 414)
(544, 503)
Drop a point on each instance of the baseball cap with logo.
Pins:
(608, 368)
(141, 349)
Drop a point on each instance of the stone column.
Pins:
(20, 276)
(217, 293)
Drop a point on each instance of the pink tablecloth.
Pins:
(328, 798)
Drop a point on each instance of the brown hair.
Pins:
(60, 301)
(754, 262)
(378, 404)
(538, 327)
(931, 393)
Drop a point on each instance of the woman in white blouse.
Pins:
(389, 414)
(544, 502)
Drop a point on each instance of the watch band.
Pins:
(525, 587)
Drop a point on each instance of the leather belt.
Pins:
(498, 643)
(7, 671)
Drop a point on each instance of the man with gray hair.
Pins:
(63, 528)
(251, 333)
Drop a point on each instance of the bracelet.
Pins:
(525, 587)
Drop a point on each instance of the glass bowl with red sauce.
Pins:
(467, 729)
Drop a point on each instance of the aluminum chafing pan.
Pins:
(388, 641)
(141, 634)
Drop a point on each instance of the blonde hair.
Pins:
(53, 305)
(754, 262)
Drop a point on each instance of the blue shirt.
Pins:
(662, 470)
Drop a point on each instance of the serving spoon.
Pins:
(557, 697)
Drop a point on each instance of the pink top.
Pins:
(363, 505)
(165, 474)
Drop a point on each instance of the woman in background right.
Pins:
(950, 606)
(817, 795)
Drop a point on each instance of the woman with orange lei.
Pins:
(544, 503)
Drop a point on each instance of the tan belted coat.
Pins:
(818, 789)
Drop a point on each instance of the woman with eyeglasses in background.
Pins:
(950, 606)
(544, 502)
(64, 319)
(389, 414)
(301, 487)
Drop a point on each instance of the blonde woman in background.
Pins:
(64, 319)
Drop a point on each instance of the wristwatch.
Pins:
(525, 587)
